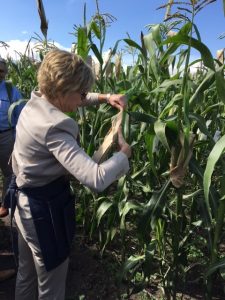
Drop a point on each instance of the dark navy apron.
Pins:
(53, 211)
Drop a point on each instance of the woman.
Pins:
(45, 150)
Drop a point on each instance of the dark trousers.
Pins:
(6, 148)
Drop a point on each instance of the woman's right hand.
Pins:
(123, 145)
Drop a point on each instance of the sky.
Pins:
(20, 21)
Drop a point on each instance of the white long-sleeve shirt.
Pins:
(46, 148)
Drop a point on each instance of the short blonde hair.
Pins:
(62, 72)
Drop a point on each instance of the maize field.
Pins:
(164, 221)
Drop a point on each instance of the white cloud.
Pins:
(24, 32)
(18, 47)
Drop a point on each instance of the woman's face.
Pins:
(71, 101)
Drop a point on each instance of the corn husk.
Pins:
(179, 163)
(101, 154)
(220, 55)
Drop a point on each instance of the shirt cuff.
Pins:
(92, 99)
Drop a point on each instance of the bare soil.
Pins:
(88, 277)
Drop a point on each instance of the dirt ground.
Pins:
(88, 277)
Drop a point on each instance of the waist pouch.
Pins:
(53, 211)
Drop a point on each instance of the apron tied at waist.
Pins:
(53, 212)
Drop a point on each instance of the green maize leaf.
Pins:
(103, 209)
(160, 131)
(212, 107)
(202, 48)
(211, 162)
(149, 257)
(126, 126)
(194, 61)
(172, 62)
(220, 83)
(150, 44)
(222, 272)
(130, 205)
(201, 125)
(176, 98)
(204, 85)
(192, 195)
(130, 264)
(206, 57)
(154, 67)
(156, 34)
(121, 183)
(113, 52)
(171, 123)
(135, 45)
(149, 141)
(111, 232)
(94, 27)
(213, 193)
(220, 264)
(167, 84)
(12, 107)
(140, 171)
(153, 210)
(171, 49)
(197, 32)
(82, 42)
(140, 117)
(143, 48)
(204, 211)
(182, 58)
(97, 53)
(185, 29)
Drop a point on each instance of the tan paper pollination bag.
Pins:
(101, 154)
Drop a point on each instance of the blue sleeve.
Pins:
(16, 95)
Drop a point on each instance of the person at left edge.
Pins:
(7, 131)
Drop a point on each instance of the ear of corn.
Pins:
(101, 154)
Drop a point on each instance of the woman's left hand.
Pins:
(118, 100)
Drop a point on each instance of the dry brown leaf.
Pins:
(179, 163)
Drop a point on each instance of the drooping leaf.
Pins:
(97, 53)
(211, 162)
(141, 117)
(160, 130)
(102, 209)
(220, 264)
